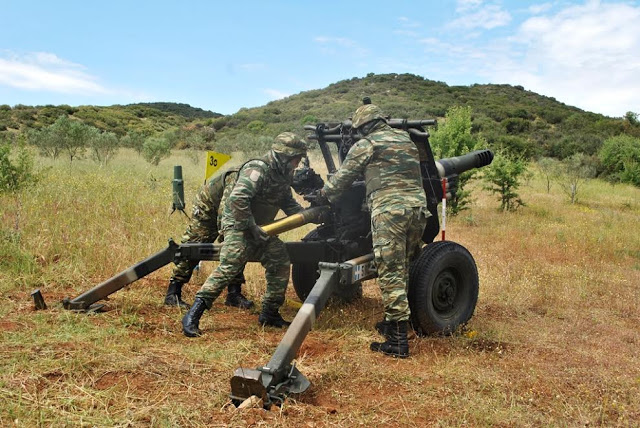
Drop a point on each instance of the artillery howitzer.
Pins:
(336, 257)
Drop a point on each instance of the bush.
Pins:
(577, 169)
(503, 177)
(620, 158)
(515, 125)
(256, 126)
(133, 140)
(16, 172)
(155, 149)
(103, 145)
(454, 138)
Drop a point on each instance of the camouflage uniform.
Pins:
(262, 189)
(204, 225)
(389, 162)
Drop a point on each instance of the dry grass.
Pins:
(554, 340)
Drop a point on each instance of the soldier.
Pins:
(204, 227)
(262, 189)
(390, 164)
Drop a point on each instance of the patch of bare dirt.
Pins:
(140, 382)
(314, 348)
(8, 326)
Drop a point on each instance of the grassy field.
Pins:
(554, 340)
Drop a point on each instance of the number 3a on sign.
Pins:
(214, 162)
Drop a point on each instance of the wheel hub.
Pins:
(445, 291)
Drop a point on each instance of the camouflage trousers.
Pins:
(238, 247)
(198, 231)
(397, 235)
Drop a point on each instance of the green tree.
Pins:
(577, 169)
(503, 178)
(133, 140)
(155, 149)
(632, 118)
(454, 138)
(46, 142)
(620, 158)
(16, 171)
(70, 136)
(103, 145)
(196, 143)
(549, 168)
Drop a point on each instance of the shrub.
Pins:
(16, 172)
(620, 157)
(103, 145)
(503, 178)
(155, 149)
(577, 169)
(454, 138)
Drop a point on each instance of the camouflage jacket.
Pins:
(262, 189)
(389, 162)
(209, 198)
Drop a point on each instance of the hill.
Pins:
(504, 115)
(148, 118)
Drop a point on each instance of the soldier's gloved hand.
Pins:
(259, 234)
(321, 198)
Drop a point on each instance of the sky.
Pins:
(223, 56)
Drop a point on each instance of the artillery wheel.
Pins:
(443, 288)
(305, 275)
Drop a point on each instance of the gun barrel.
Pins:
(459, 164)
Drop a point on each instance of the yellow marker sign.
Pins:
(214, 162)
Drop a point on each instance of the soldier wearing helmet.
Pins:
(204, 227)
(262, 189)
(389, 162)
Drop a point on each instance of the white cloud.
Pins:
(587, 55)
(465, 5)
(274, 94)
(539, 8)
(488, 17)
(43, 71)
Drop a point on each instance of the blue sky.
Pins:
(223, 56)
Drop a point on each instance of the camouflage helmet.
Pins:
(289, 144)
(366, 113)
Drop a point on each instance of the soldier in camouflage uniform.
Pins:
(204, 227)
(262, 189)
(389, 162)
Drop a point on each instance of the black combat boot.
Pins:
(272, 318)
(174, 295)
(382, 327)
(191, 320)
(235, 297)
(397, 344)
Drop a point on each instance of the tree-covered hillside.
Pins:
(146, 118)
(505, 115)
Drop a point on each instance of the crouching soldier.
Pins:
(204, 227)
(262, 189)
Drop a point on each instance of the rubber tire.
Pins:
(443, 288)
(305, 275)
